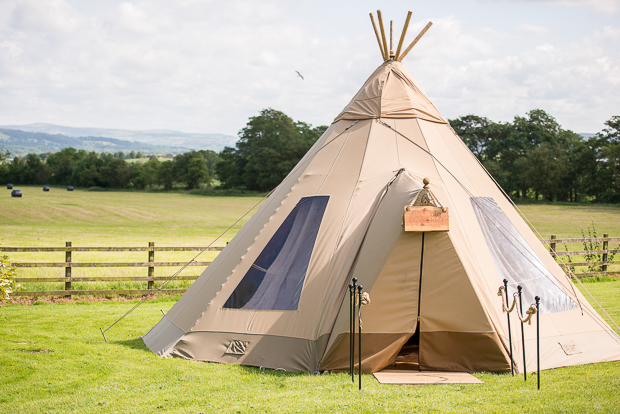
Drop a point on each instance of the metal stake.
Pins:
(520, 289)
(537, 299)
(359, 344)
(512, 364)
(351, 331)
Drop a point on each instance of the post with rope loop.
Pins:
(352, 328)
(359, 343)
(512, 363)
(353, 288)
(520, 289)
(537, 299)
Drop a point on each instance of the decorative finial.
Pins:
(426, 182)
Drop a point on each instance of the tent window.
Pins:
(516, 262)
(275, 280)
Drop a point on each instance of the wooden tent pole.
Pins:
(402, 36)
(428, 26)
(374, 26)
(391, 39)
(385, 48)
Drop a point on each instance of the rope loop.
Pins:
(504, 304)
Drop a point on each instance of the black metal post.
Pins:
(351, 331)
(520, 289)
(512, 364)
(359, 342)
(537, 299)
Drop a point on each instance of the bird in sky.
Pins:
(299, 74)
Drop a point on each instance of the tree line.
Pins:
(532, 157)
(89, 169)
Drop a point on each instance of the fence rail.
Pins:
(605, 254)
(70, 263)
(595, 267)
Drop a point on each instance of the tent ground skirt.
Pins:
(402, 377)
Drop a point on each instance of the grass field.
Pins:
(121, 218)
(54, 359)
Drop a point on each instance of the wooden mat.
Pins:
(400, 377)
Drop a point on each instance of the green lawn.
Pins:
(54, 359)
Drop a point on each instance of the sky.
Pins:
(208, 66)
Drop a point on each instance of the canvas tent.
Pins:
(277, 295)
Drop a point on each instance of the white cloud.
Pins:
(208, 66)
(601, 6)
(45, 16)
(533, 28)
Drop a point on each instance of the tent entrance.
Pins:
(408, 357)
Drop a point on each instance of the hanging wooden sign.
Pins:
(426, 218)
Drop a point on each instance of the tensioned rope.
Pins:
(150, 294)
(498, 222)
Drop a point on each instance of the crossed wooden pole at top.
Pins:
(388, 54)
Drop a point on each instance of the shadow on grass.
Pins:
(136, 343)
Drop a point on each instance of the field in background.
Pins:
(113, 219)
(135, 218)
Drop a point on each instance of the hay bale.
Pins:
(16, 193)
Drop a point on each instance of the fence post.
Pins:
(552, 244)
(605, 247)
(151, 260)
(68, 268)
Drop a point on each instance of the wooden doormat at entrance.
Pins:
(399, 377)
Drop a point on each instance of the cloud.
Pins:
(601, 6)
(201, 66)
(45, 16)
(533, 28)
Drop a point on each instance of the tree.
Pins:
(116, 173)
(165, 175)
(480, 134)
(138, 176)
(4, 155)
(269, 146)
(609, 143)
(196, 173)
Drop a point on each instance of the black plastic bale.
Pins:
(46, 188)
(70, 188)
(9, 186)
(16, 193)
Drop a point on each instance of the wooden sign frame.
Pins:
(426, 218)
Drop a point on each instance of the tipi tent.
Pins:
(277, 295)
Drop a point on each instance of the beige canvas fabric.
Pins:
(371, 163)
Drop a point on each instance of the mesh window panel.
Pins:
(275, 280)
(516, 262)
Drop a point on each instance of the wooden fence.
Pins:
(69, 263)
(604, 254)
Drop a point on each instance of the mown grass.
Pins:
(54, 360)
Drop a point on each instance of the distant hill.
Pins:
(21, 143)
(215, 142)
